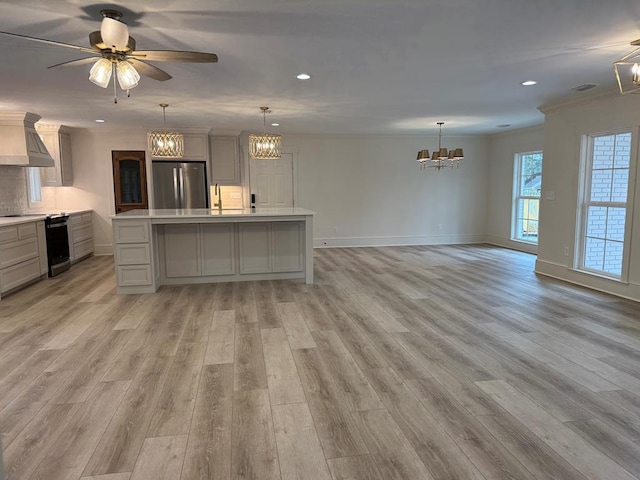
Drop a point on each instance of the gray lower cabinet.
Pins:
(182, 247)
(271, 247)
(21, 249)
(218, 249)
(80, 229)
(255, 247)
(214, 249)
(195, 250)
(288, 246)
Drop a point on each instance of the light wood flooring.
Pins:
(443, 362)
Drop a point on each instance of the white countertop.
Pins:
(33, 217)
(214, 213)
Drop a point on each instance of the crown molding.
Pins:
(582, 100)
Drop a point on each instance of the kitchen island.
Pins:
(177, 247)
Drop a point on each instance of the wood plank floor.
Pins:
(439, 362)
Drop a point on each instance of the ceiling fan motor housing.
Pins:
(95, 39)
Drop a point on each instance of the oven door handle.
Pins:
(56, 225)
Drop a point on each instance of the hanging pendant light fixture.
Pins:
(441, 158)
(627, 71)
(266, 146)
(164, 144)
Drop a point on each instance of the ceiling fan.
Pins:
(119, 57)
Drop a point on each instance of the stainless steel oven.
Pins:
(57, 243)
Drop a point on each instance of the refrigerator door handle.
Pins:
(175, 187)
(181, 187)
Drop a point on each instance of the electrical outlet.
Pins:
(566, 251)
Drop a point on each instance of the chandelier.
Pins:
(441, 158)
(627, 71)
(164, 144)
(266, 146)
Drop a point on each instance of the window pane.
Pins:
(596, 221)
(623, 150)
(620, 182)
(35, 185)
(615, 223)
(613, 257)
(601, 185)
(594, 253)
(603, 152)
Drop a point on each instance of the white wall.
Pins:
(369, 187)
(93, 177)
(369, 190)
(563, 130)
(503, 149)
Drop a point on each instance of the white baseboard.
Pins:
(513, 245)
(629, 291)
(397, 241)
(103, 249)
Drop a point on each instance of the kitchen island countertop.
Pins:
(214, 213)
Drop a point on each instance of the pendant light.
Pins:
(441, 158)
(164, 144)
(627, 70)
(266, 146)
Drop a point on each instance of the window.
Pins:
(527, 184)
(604, 203)
(34, 185)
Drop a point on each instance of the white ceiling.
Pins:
(377, 66)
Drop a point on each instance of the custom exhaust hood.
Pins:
(20, 144)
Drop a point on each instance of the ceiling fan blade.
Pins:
(149, 70)
(73, 63)
(175, 56)
(50, 42)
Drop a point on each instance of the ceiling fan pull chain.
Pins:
(128, 93)
(115, 92)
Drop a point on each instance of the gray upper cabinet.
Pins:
(58, 142)
(225, 161)
(195, 148)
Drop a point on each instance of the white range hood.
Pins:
(20, 144)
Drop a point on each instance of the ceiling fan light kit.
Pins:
(441, 157)
(265, 146)
(165, 144)
(627, 71)
(100, 73)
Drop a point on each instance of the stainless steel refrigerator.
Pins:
(180, 185)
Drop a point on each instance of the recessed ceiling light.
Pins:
(99, 121)
(275, 124)
(303, 76)
(504, 125)
(528, 83)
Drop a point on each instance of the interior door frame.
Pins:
(115, 168)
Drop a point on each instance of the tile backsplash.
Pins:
(13, 190)
(13, 193)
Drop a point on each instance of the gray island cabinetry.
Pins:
(177, 247)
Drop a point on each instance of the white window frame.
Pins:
(517, 178)
(584, 202)
(34, 186)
